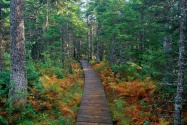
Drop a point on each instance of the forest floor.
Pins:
(54, 97)
(136, 102)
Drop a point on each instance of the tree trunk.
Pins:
(181, 63)
(1, 46)
(141, 38)
(68, 49)
(18, 75)
(168, 63)
(47, 15)
(121, 47)
(112, 51)
(79, 49)
(98, 57)
(62, 47)
(88, 46)
(91, 41)
(74, 50)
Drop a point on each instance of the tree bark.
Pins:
(121, 47)
(88, 45)
(91, 41)
(68, 49)
(112, 51)
(74, 50)
(62, 47)
(1, 46)
(18, 75)
(168, 64)
(181, 63)
(79, 50)
(98, 57)
(141, 38)
(47, 15)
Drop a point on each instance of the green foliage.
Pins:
(62, 121)
(50, 69)
(52, 32)
(33, 75)
(155, 60)
(27, 115)
(118, 113)
(17, 115)
(6, 60)
(54, 104)
(58, 71)
(131, 71)
(146, 123)
(3, 120)
(119, 104)
(4, 84)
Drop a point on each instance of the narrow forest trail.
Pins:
(94, 109)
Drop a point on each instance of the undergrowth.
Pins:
(54, 97)
(134, 98)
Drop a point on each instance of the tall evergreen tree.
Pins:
(18, 76)
(181, 64)
(1, 47)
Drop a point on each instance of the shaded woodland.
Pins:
(138, 48)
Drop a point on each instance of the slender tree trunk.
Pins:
(102, 51)
(68, 49)
(168, 64)
(79, 49)
(18, 75)
(181, 63)
(112, 51)
(47, 14)
(62, 46)
(141, 37)
(74, 49)
(91, 41)
(88, 46)
(121, 60)
(37, 48)
(1, 46)
(98, 57)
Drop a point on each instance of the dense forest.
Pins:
(136, 46)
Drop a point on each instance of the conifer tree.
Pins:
(181, 64)
(18, 76)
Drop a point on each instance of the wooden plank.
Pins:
(86, 107)
(91, 92)
(95, 104)
(86, 123)
(93, 88)
(91, 97)
(93, 101)
(97, 119)
(93, 112)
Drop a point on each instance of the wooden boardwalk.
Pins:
(94, 109)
